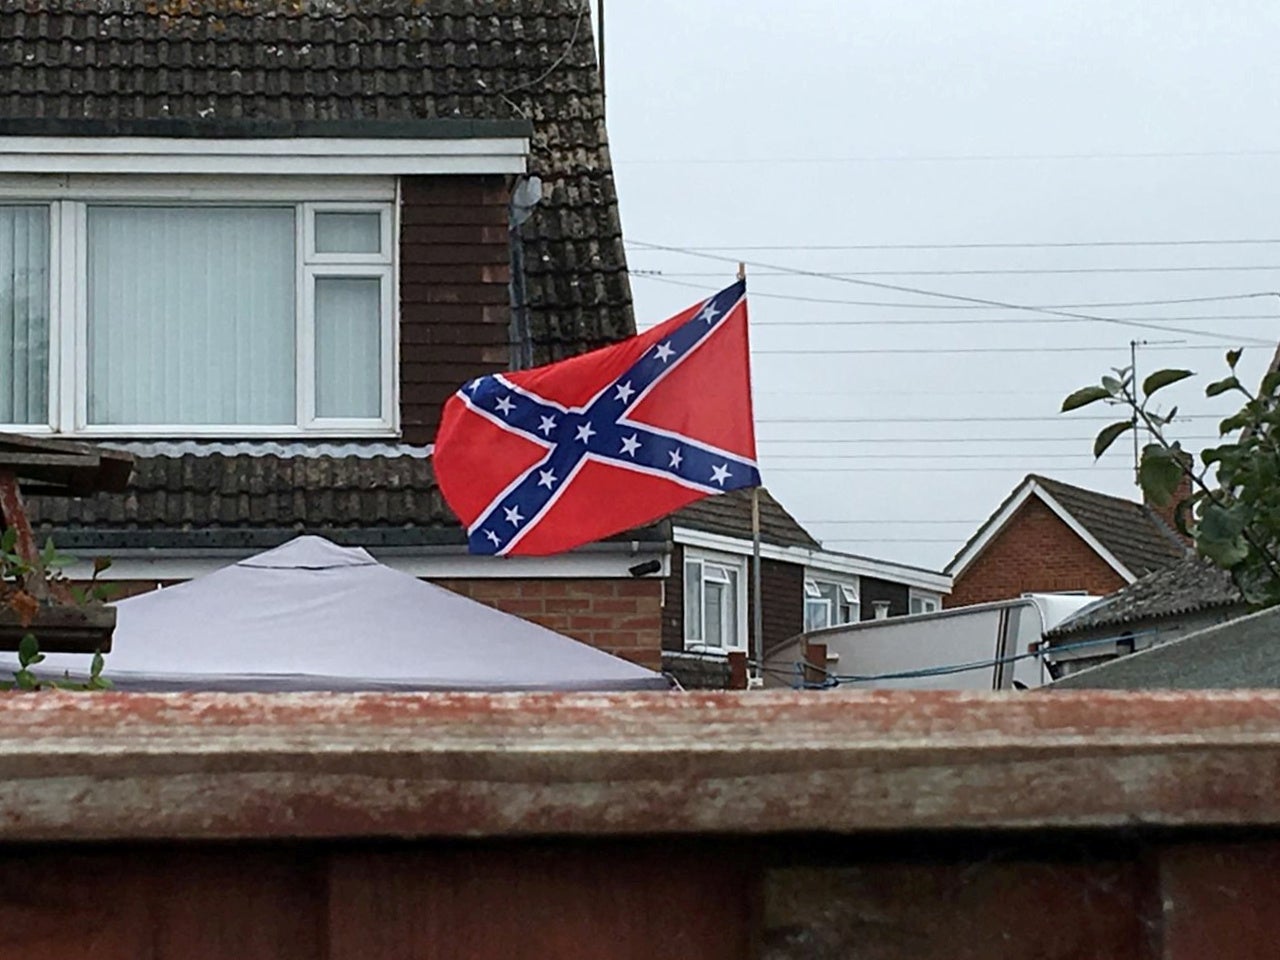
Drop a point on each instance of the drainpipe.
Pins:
(524, 198)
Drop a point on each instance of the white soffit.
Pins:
(306, 156)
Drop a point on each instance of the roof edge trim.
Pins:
(434, 128)
(264, 156)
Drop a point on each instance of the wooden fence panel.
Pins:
(604, 901)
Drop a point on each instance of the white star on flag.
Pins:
(720, 474)
(505, 405)
(547, 425)
(546, 478)
(630, 445)
(513, 515)
(493, 537)
(709, 313)
(664, 352)
(676, 459)
(585, 433)
(625, 390)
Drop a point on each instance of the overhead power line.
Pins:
(979, 306)
(891, 457)
(981, 321)
(886, 522)
(828, 352)
(981, 272)
(922, 292)
(877, 441)
(938, 468)
(1015, 245)
(951, 158)
(1059, 418)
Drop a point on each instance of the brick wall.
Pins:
(622, 617)
(1036, 551)
(782, 614)
(454, 301)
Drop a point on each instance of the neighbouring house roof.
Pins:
(219, 63)
(1188, 586)
(730, 515)
(1129, 535)
(255, 495)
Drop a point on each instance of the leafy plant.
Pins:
(1232, 513)
(15, 574)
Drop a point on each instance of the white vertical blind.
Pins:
(348, 325)
(191, 315)
(24, 314)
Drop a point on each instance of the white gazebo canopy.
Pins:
(310, 615)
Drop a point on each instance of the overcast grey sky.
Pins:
(784, 125)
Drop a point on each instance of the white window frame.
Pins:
(932, 600)
(68, 200)
(724, 561)
(848, 587)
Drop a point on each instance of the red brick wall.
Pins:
(622, 617)
(1036, 551)
(455, 266)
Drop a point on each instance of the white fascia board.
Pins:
(306, 156)
(817, 560)
(996, 525)
(992, 527)
(163, 565)
(153, 188)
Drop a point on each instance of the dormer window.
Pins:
(125, 315)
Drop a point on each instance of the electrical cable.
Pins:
(1014, 245)
(982, 306)
(918, 291)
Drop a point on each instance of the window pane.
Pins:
(817, 614)
(693, 600)
(24, 315)
(348, 232)
(348, 346)
(716, 604)
(730, 618)
(191, 315)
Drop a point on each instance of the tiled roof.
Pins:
(246, 499)
(257, 495)
(730, 515)
(227, 61)
(1189, 585)
(1132, 532)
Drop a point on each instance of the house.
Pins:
(1182, 599)
(258, 244)
(1053, 537)
(706, 612)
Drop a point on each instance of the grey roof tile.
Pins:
(729, 515)
(1187, 586)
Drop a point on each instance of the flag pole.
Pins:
(757, 612)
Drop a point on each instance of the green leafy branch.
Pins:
(1234, 517)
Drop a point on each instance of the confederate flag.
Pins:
(541, 461)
